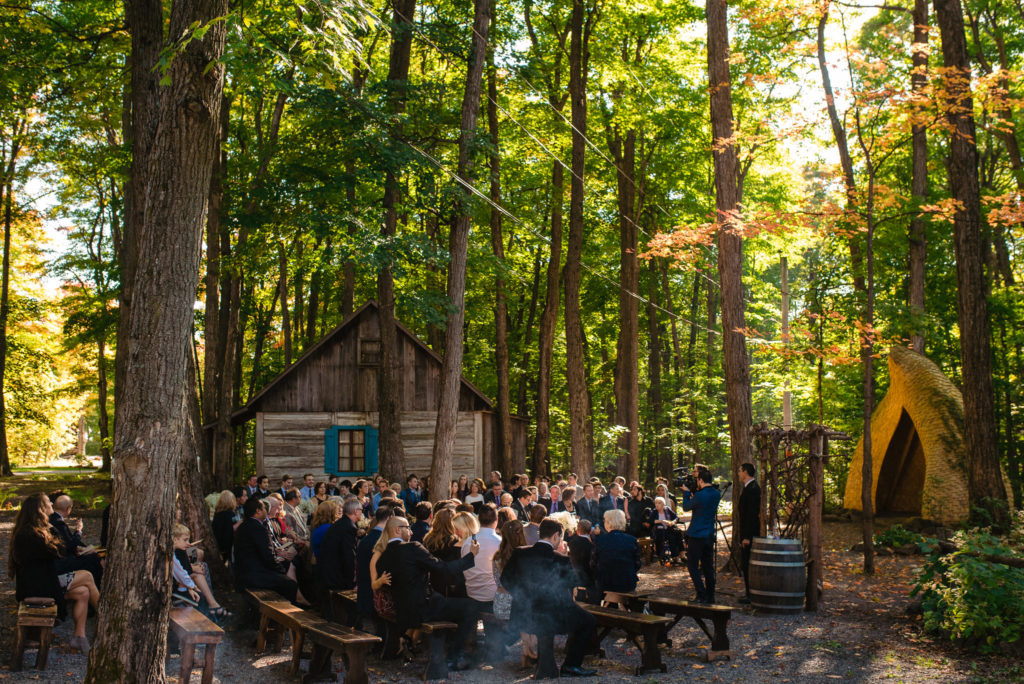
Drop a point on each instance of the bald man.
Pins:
(73, 555)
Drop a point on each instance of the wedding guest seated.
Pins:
(336, 564)
(410, 565)
(424, 514)
(191, 578)
(326, 514)
(668, 538)
(504, 515)
(295, 519)
(31, 561)
(616, 555)
(475, 497)
(569, 500)
(75, 553)
(542, 582)
(224, 524)
(581, 554)
(443, 542)
(364, 552)
(532, 528)
(522, 505)
(256, 566)
(637, 508)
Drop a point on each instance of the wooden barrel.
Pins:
(778, 575)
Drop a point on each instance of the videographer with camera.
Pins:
(701, 498)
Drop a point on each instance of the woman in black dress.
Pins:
(224, 523)
(31, 558)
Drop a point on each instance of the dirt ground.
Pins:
(861, 634)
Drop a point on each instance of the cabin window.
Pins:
(369, 352)
(350, 450)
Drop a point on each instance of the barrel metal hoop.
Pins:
(776, 564)
(780, 594)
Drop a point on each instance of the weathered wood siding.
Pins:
(330, 378)
(293, 443)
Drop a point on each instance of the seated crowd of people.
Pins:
(522, 552)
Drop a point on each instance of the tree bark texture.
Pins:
(458, 253)
(171, 179)
(730, 243)
(507, 463)
(627, 357)
(548, 323)
(5, 310)
(984, 478)
(103, 417)
(581, 458)
(919, 175)
(661, 463)
(392, 454)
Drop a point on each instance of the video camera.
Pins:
(686, 478)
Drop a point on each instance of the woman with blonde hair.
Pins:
(325, 515)
(444, 542)
(466, 525)
(224, 523)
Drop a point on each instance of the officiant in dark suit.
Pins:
(750, 521)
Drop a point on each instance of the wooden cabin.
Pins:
(320, 414)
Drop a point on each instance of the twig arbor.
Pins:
(792, 466)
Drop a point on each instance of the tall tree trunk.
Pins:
(627, 357)
(582, 459)
(919, 177)
(152, 424)
(984, 479)
(509, 462)
(730, 244)
(548, 323)
(661, 463)
(524, 341)
(282, 285)
(458, 252)
(392, 453)
(5, 310)
(101, 400)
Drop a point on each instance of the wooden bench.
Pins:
(437, 662)
(344, 606)
(277, 614)
(35, 623)
(191, 628)
(646, 548)
(635, 625)
(677, 609)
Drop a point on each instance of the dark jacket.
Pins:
(34, 571)
(224, 532)
(410, 565)
(336, 563)
(616, 561)
(490, 497)
(638, 516)
(750, 510)
(411, 497)
(70, 542)
(69, 539)
(606, 504)
(364, 552)
(253, 557)
(704, 504)
(590, 510)
(541, 583)
(522, 512)
(419, 530)
(581, 555)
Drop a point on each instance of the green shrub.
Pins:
(975, 602)
(897, 536)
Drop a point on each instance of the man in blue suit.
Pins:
(700, 535)
(613, 500)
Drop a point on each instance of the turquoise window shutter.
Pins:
(371, 450)
(331, 449)
(370, 454)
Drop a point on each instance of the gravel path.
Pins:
(862, 634)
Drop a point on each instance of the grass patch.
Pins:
(90, 490)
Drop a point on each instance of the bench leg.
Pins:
(298, 639)
(392, 641)
(188, 654)
(437, 665)
(19, 649)
(355, 667)
(45, 635)
(261, 635)
(720, 639)
(651, 661)
(546, 667)
(320, 665)
(209, 656)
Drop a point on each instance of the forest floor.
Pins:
(861, 634)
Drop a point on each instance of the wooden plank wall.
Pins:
(331, 378)
(293, 443)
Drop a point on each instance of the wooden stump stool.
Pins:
(35, 623)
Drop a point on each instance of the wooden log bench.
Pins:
(344, 606)
(35, 623)
(678, 609)
(637, 626)
(277, 615)
(192, 628)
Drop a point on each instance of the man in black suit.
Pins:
(493, 495)
(336, 565)
(255, 564)
(410, 565)
(750, 520)
(588, 508)
(72, 555)
(522, 506)
(613, 500)
(542, 583)
(581, 555)
(424, 514)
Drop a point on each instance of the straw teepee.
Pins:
(917, 445)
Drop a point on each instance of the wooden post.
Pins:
(815, 504)
(787, 411)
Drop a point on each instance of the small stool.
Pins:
(35, 623)
(646, 548)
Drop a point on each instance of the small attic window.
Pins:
(369, 352)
